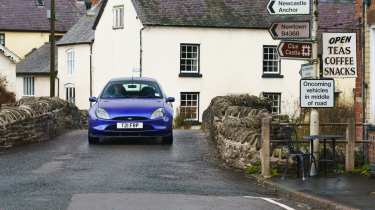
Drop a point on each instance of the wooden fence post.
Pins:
(265, 155)
(350, 147)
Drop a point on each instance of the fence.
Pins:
(349, 143)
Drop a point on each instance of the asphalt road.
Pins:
(67, 173)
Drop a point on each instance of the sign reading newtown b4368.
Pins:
(317, 93)
(289, 7)
(339, 55)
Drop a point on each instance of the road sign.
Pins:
(289, 7)
(290, 30)
(339, 55)
(307, 71)
(295, 50)
(315, 93)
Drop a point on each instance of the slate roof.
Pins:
(36, 62)
(25, 15)
(81, 32)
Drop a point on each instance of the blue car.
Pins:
(131, 107)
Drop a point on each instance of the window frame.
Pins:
(273, 74)
(29, 86)
(197, 73)
(279, 101)
(70, 61)
(2, 38)
(197, 106)
(118, 23)
(70, 93)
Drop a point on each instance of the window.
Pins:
(189, 59)
(70, 61)
(28, 86)
(70, 94)
(271, 61)
(118, 17)
(189, 107)
(40, 3)
(2, 39)
(276, 102)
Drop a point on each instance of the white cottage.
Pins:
(8, 61)
(196, 49)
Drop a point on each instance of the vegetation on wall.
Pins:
(6, 97)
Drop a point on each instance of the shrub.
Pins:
(6, 97)
(180, 121)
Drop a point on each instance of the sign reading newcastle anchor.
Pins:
(295, 50)
(289, 7)
(290, 30)
(317, 93)
(339, 55)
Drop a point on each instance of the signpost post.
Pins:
(289, 7)
(290, 30)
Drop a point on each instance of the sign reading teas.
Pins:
(339, 55)
(317, 93)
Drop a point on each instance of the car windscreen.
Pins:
(132, 89)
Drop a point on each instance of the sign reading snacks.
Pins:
(339, 55)
(290, 30)
(295, 50)
(289, 7)
(317, 93)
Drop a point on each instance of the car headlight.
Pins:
(102, 114)
(159, 113)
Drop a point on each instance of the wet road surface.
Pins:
(67, 173)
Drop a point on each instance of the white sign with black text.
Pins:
(289, 7)
(317, 93)
(307, 71)
(339, 55)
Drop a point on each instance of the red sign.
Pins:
(296, 50)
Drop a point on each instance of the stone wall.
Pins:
(234, 124)
(36, 119)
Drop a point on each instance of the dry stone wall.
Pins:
(234, 124)
(37, 119)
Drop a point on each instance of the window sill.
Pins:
(117, 28)
(194, 75)
(272, 76)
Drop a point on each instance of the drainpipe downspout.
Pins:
(141, 51)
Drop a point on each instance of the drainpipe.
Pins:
(91, 72)
(141, 51)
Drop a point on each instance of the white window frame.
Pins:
(271, 57)
(189, 104)
(185, 59)
(28, 86)
(70, 61)
(276, 102)
(2, 39)
(118, 17)
(70, 93)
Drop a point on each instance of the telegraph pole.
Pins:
(314, 115)
(52, 49)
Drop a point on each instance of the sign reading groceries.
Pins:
(339, 55)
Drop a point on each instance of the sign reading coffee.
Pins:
(339, 55)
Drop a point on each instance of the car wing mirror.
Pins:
(170, 99)
(93, 99)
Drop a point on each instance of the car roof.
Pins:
(132, 78)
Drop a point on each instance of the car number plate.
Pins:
(129, 125)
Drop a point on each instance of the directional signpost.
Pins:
(289, 7)
(290, 30)
(295, 50)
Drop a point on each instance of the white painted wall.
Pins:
(80, 79)
(8, 70)
(42, 86)
(116, 52)
(231, 63)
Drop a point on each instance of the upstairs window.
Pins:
(271, 61)
(40, 3)
(70, 61)
(118, 17)
(2, 39)
(276, 102)
(190, 59)
(28, 86)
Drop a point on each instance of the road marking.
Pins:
(270, 200)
